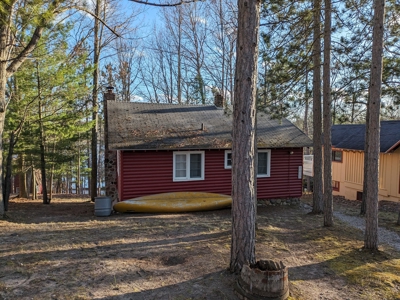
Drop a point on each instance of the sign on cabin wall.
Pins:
(308, 165)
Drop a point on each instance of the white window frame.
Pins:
(187, 153)
(268, 174)
(226, 159)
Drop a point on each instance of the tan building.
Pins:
(348, 160)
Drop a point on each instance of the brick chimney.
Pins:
(219, 100)
(110, 156)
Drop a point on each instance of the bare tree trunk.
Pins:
(7, 177)
(78, 171)
(373, 150)
(243, 144)
(46, 200)
(51, 179)
(96, 60)
(22, 177)
(3, 80)
(33, 184)
(328, 198)
(305, 126)
(179, 76)
(363, 208)
(317, 113)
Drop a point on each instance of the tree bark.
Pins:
(243, 144)
(179, 76)
(4, 34)
(317, 113)
(363, 208)
(22, 177)
(373, 137)
(328, 198)
(96, 59)
(33, 184)
(42, 139)
(7, 177)
(305, 126)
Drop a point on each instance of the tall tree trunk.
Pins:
(374, 105)
(179, 76)
(3, 80)
(42, 140)
(22, 177)
(317, 113)
(78, 170)
(33, 184)
(243, 144)
(7, 177)
(328, 198)
(51, 181)
(305, 126)
(96, 60)
(363, 208)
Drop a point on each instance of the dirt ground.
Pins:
(63, 251)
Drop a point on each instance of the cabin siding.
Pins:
(350, 174)
(144, 173)
(284, 181)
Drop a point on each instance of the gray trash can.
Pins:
(102, 206)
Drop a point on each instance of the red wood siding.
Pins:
(150, 172)
(283, 181)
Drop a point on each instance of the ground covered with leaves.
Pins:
(62, 251)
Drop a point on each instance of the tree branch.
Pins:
(16, 63)
(166, 5)
(94, 16)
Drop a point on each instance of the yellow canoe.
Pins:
(174, 202)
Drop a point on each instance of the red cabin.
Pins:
(158, 148)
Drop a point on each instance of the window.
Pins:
(228, 159)
(264, 162)
(188, 166)
(335, 185)
(337, 156)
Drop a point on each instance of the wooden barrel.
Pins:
(257, 284)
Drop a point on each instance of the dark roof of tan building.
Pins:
(146, 126)
(352, 136)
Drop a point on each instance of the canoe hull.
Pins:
(174, 203)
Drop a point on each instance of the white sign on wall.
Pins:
(308, 165)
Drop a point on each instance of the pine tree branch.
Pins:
(16, 63)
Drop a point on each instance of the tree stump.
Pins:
(265, 280)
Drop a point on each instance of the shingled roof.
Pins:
(145, 126)
(352, 136)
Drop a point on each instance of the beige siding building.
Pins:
(348, 161)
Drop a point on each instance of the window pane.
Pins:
(195, 165)
(229, 159)
(180, 165)
(337, 155)
(263, 163)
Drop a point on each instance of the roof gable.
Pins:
(352, 136)
(144, 126)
